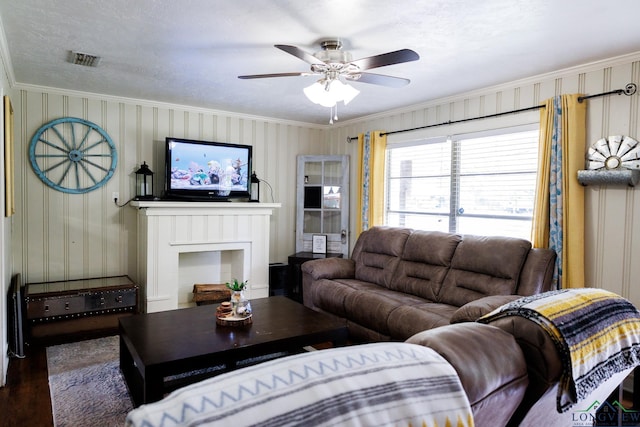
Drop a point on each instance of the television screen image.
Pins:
(201, 169)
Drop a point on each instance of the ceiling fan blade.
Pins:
(389, 58)
(378, 79)
(263, 76)
(299, 53)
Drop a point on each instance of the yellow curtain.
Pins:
(372, 148)
(361, 201)
(540, 221)
(558, 218)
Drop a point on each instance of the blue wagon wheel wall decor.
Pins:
(72, 155)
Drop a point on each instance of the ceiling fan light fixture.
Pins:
(318, 95)
(344, 92)
(329, 92)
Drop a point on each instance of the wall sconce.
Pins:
(144, 183)
(255, 188)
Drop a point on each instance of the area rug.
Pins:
(87, 388)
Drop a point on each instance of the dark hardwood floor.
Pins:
(25, 400)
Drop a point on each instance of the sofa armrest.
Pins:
(490, 365)
(544, 364)
(472, 311)
(330, 268)
(537, 273)
(324, 268)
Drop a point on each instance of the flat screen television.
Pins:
(206, 170)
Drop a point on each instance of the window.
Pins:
(480, 183)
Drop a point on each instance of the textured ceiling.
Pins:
(190, 52)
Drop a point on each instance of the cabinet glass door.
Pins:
(323, 202)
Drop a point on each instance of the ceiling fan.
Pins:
(332, 62)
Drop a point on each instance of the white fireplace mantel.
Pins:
(168, 229)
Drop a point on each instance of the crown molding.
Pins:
(570, 71)
(159, 104)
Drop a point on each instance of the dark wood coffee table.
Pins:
(158, 345)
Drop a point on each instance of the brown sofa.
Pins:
(400, 281)
(510, 370)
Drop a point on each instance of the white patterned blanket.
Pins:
(377, 384)
(596, 332)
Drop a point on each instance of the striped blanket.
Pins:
(596, 332)
(378, 384)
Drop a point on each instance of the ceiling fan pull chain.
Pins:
(331, 115)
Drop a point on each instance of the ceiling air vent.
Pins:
(85, 59)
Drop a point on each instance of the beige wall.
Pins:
(612, 231)
(72, 236)
(65, 236)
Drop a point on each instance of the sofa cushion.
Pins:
(330, 295)
(408, 320)
(482, 266)
(424, 263)
(372, 308)
(377, 254)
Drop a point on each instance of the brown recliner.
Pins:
(544, 367)
(490, 364)
(543, 361)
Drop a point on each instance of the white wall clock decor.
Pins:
(614, 152)
(72, 155)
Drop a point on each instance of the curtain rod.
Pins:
(629, 90)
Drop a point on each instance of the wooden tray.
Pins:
(234, 321)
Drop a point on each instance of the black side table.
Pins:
(294, 285)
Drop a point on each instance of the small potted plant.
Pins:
(237, 286)
(239, 303)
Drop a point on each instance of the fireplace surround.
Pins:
(182, 243)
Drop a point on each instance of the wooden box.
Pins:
(210, 293)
